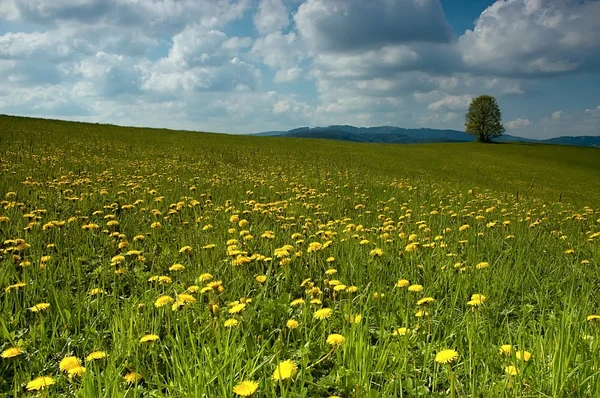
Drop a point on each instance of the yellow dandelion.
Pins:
(149, 338)
(402, 283)
(76, 371)
(323, 313)
(425, 300)
(593, 318)
(186, 250)
(163, 300)
(236, 309)
(285, 370)
(95, 355)
(506, 349)
(482, 265)
(132, 377)
(69, 362)
(523, 355)
(11, 352)
(246, 388)
(446, 356)
(400, 332)
(415, 288)
(229, 323)
(335, 339)
(39, 383)
(511, 370)
(176, 267)
(292, 324)
(39, 307)
(261, 278)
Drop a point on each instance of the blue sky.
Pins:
(243, 66)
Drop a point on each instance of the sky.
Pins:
(245, 66)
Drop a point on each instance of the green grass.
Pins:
(532, 217)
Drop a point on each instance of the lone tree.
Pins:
(484, 118)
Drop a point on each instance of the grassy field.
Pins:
(150, 263)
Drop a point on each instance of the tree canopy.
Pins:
(484, 118)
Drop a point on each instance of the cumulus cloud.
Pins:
(517, 123)
(272, 15)
(351, 25)
(533, 37)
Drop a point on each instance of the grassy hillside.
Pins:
(156, 263)
(543, 171)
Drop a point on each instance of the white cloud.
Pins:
(556, 115)
(272, 15)
(455, 102)
(517, 123)
(534, 37)
(282, 52)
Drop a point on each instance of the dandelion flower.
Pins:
(593, 318)
(95, 355)
(236, 309)
(506, 349)
(132, 377)
(446, 356)
(482, 265)
(403, 283)
(400, 332)
(229, 323)
(261, 278)
(523, 355)
(297, 302)
(285, 370)
(292, 324)
(323, 313)
(425, 300)
(511, 370)
(246, 388)
(186, 250)
(39, 383)
(415, 288)
(76, 371)
(176, 267)
(149, 338)
(11, 352)
(39, 307)
(68, 363)
(336, 339)
(356, 318)
(162, 301)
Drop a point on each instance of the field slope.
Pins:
(146, 262)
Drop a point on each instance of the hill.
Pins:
(546, 171)
(398, 135)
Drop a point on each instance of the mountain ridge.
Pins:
(399, 135)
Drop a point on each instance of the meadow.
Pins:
(149, 263)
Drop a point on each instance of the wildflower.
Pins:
(506, 349)
(285, 370)
(292, 324)
(149, 338)
(297, 302)
(330, 271)
(352, 289)
(76, 371)
(356, 318)
(336, 339)
(323, 313)
(95, 355)
(205, 277)
(400, 332)
(176, 267)
(96, 291)
(421, 313)
(482, 265)
(39, 307)
(186, 250)
(229, 323)
(446, 356)
(523, 355)
(132, 377)
(261, 278)
(425, 300)
(403, 283)
(236, 309)
(162, 301)
(15, 286)
(68, 363)
(11, 352)
(246, 388)
(593, 318)
(415, 288)
(39, 383)
(476, 300)
(511, 370)
(377, 252)
(411, 247)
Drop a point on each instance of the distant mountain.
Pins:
(398, 135)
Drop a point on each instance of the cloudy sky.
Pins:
(257, 65)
